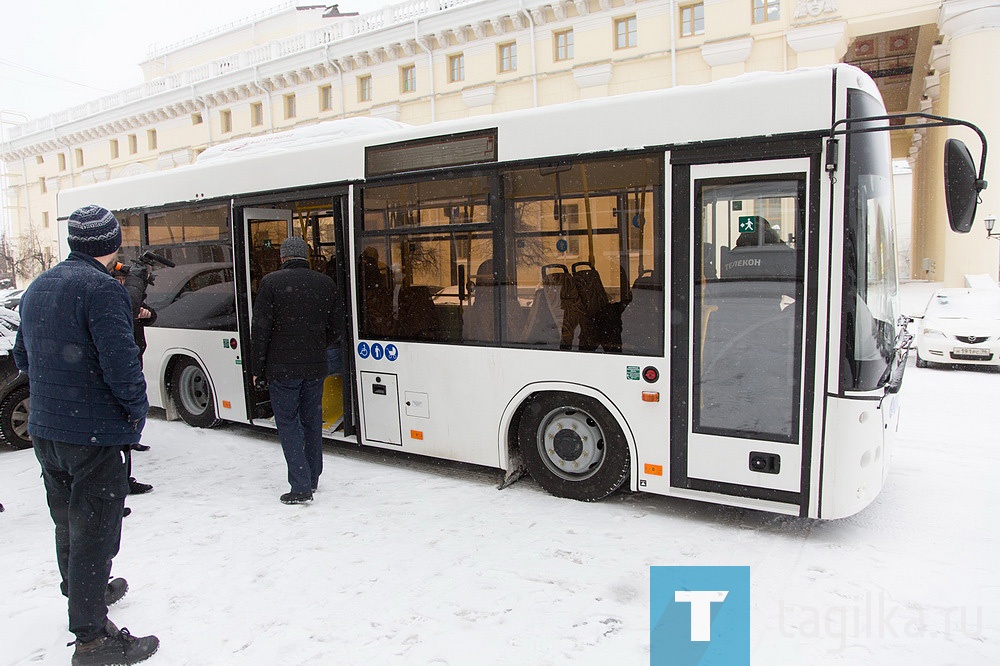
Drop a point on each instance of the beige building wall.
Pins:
(287, 68)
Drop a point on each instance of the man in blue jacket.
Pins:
(88, 406)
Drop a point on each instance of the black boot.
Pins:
(137, 488)
(115, 647)
(116, 590)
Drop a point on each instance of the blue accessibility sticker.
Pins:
(391, 352)
(363, 350)
(377, 351)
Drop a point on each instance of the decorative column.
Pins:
(973, 31)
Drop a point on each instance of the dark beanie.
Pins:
(95, 231)
(294, 247)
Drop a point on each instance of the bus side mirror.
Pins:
(961, 187)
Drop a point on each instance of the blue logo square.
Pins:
(699, 616)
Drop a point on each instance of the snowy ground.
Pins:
(403, 561)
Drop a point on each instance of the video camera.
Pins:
(142, 265)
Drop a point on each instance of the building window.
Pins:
(113, 147)
(39, 159)
(326, 98)
(456, 68)
(151, 139)
(226, 121)
(78, 153)
(693, 20)
(41, 185)
(256, 114)
(563, 45)
(364, 88)
(507, 56)
(408, 79)
(196, 119)
(133, 144)
(289, 101)
(45, 219)
(62, 161)
(625, 33)
(766, 10)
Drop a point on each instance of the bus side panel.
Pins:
(854, 469)
(214, 352)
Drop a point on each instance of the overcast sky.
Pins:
(55, 54)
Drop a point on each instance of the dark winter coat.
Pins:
(76, 345)
(296, 316)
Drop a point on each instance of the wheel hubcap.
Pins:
(193, 390)
(571, 443)
(19, 420)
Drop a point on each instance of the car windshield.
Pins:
(964, 304)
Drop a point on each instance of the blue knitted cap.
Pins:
(95, 231)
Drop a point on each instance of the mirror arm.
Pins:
(938, 121)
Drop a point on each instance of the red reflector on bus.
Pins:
(650, 396)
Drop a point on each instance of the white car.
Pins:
(960, 326)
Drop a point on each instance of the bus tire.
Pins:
(572, 446)
(191, 392)
(14, 419)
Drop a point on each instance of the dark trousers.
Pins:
(298, 413)
(85, 487)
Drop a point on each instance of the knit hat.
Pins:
(294, 247)
(95, 231)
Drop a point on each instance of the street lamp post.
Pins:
(990, 221)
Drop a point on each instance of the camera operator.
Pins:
(135, 282)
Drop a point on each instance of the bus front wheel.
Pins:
(572, 446)
(192, 394)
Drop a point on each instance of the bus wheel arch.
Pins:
(190, 392)
(572, 444)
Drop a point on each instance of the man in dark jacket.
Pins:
(295, 319)
(88, 404)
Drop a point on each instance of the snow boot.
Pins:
(296, 498)
(116, 590)
(114, 647)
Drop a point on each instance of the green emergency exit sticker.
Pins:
(748, 224)
(632, 373)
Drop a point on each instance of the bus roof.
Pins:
(754, 104)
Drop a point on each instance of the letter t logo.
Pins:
(701, 611)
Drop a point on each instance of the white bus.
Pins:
(688, 292)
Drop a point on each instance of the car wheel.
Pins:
(572, 446)
(192, 394)
(14, 419)
(921, 363)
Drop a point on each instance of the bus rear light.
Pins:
(650, 396)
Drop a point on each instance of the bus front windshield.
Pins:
(870, 305)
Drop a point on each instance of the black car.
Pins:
(13, 389)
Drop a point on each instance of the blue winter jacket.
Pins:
(76, 345)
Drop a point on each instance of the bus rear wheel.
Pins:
(192, 394)
(573, 447)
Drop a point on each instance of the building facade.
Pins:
(428, 60)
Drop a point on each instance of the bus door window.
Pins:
(747, 306)
(584, 234)
(199, 292)
(422, 252)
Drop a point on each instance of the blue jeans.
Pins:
(85, 487)
(298, 413)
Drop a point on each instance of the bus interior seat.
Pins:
(592, 301)
(547, 321)
(477, 317)
(643, 314)
(416, 317)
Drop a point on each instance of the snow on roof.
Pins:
(299, 137)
